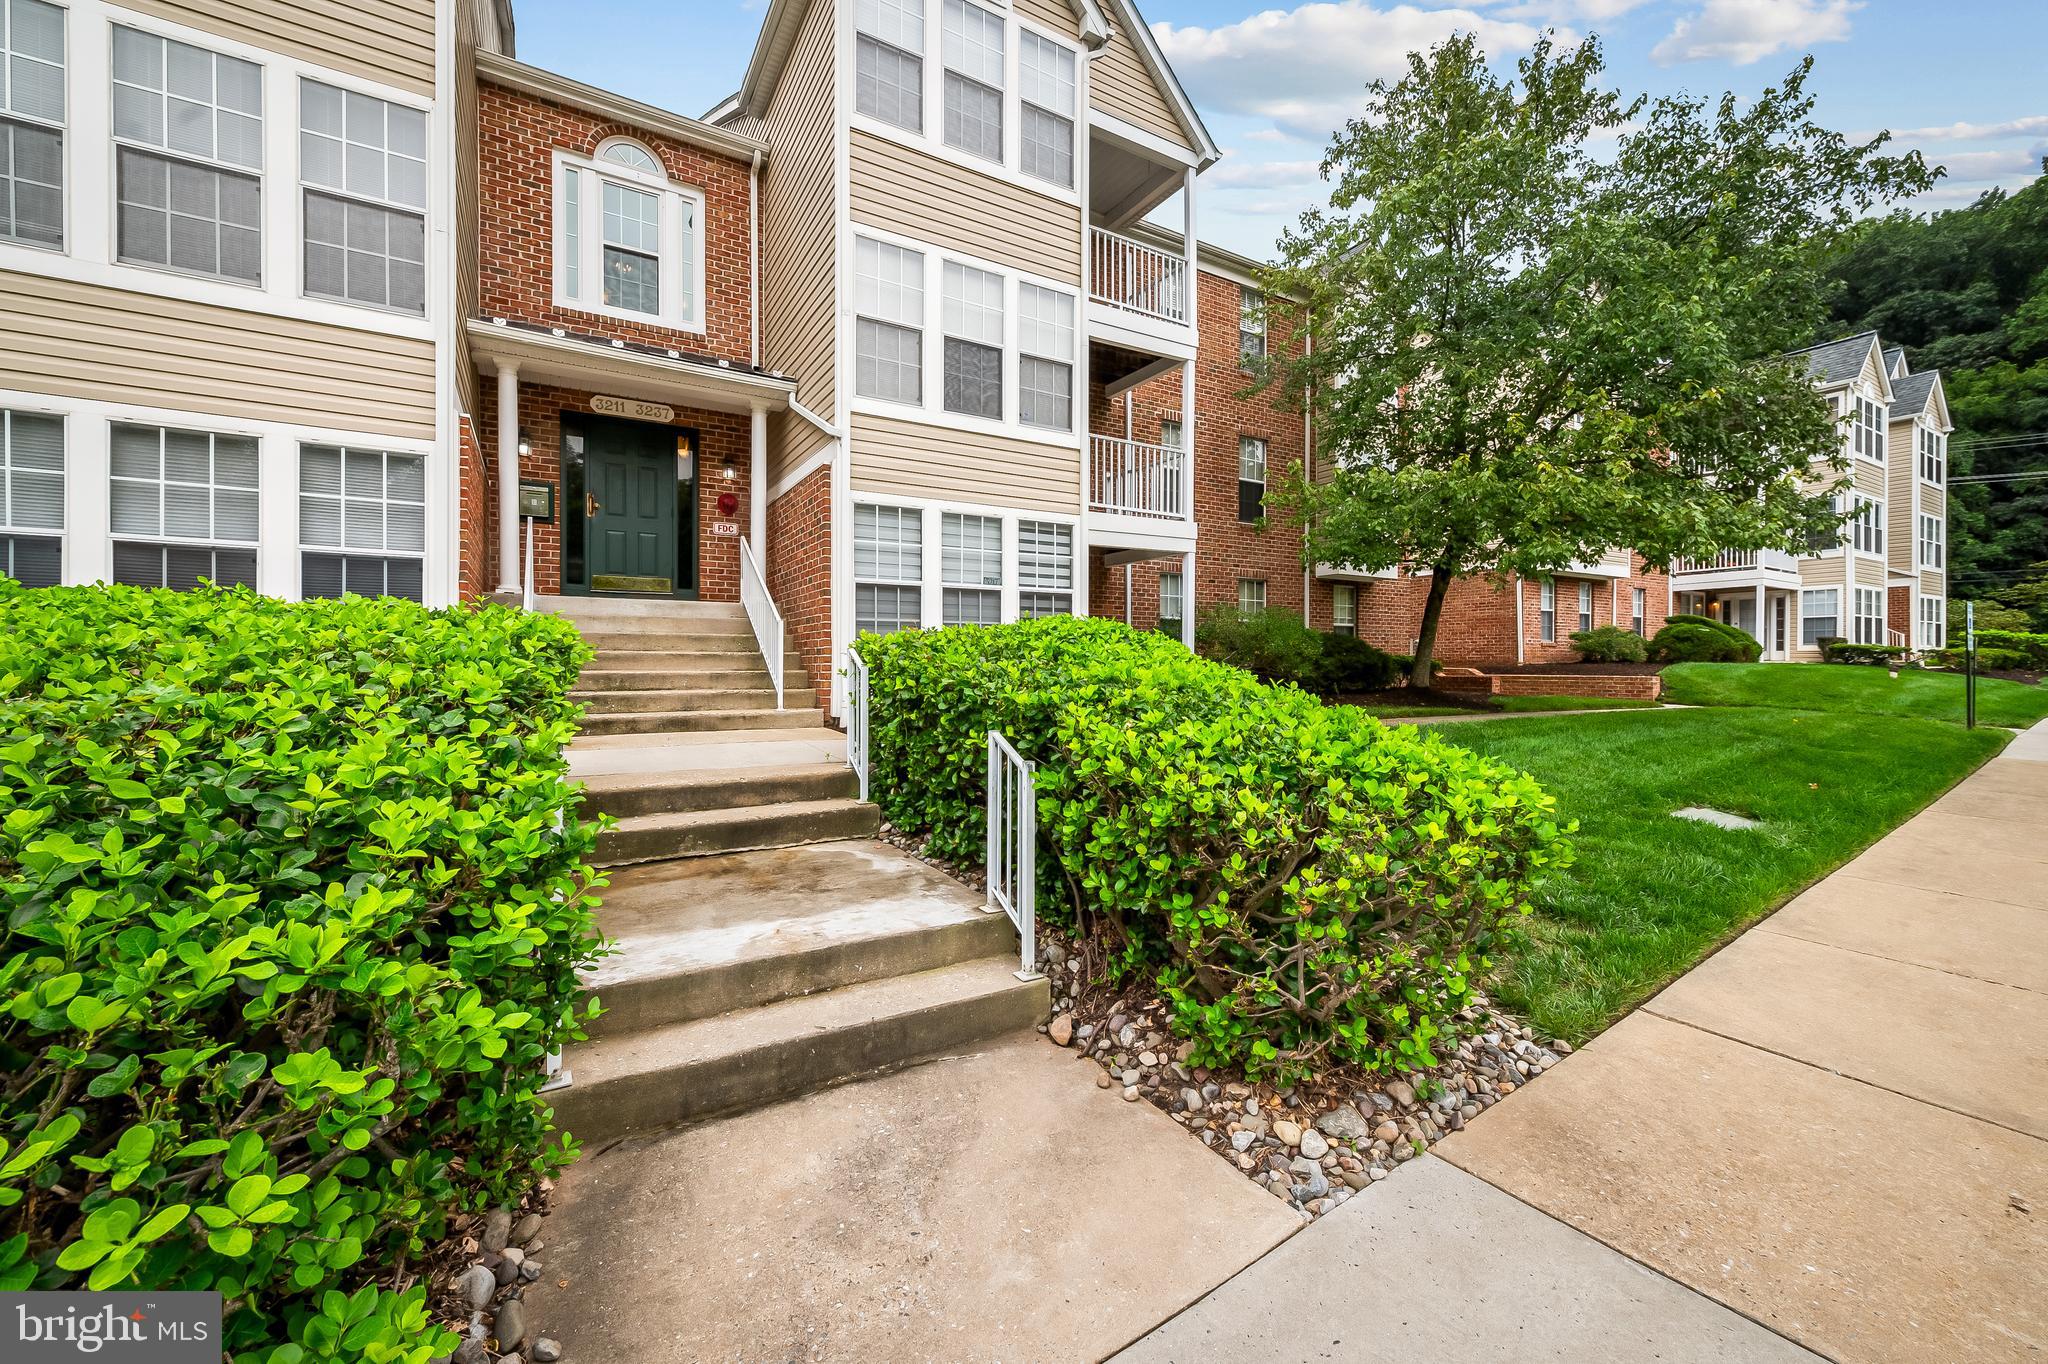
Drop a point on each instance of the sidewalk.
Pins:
(1836, 1128)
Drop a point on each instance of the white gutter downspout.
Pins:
(1521, 630)
(754, 249)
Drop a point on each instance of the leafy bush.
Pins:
(1306, 885)
(1988, 660)
(1272, 645)
(1842, 651)
(1747, 648)
(2033, 648)
(1351, 665)
(1688, 642)
(1610, 644)
(290, 928)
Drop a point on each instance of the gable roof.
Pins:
(1206, 150)
(1895, 362)
(1839, 362)
(1910, 393)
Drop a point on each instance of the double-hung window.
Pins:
(1344, 608)
(1585, 607)
(971, 569)
(1820, 615)
(888, 300)
(1933, 623)
(1251, 478)
(1546, 612)
(188, 156)
(364, 163)
(1868, 438)
(362, 522)
(1638, 603)
(31, 122)
(1870, 616)
(1251, 328)
(1933, 542)
(626, 239)
(1933, 455)
(31, 498)
(1045, 569)
(1045, 357)
(182, 506)
(972, 51)
(1171, 601)
(888, 61)
(888, 568)
(1251, 594)
(973, 327)
(1867, 526)
(1045, 108)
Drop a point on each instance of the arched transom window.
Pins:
(628, 240)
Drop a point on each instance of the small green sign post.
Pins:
(1970, 664)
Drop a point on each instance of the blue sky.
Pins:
(1961, 80)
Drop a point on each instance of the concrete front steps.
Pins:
(765, 945)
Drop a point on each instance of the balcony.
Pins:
(1138, 496)
(1737, 567)
(1139, 302)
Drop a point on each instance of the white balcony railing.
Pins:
(1740, 560)
(1138, 278)
(1131, 478)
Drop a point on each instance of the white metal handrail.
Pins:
(1142, 279)
(1013, 844)
(1731, 559)
(526, 575)
(857, 718)
(762, 615)
(1131, 478)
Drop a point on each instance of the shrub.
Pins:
(1272, 645)
(1305, 885)
(1988, 660)
(1689, 642)
(1842, 651)
(1610, 644)
(1747, 648)
(2033, 648)
(1351, 665)
(290, 928)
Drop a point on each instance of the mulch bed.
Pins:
(1580, 669)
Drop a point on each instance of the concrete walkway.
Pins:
(1838, 1125)
(1836, 1129)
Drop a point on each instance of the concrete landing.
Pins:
(593, 755)
(1434, 1264)
(987, 1206)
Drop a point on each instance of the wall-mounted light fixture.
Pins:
(525, 443)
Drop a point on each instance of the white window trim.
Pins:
(88, 535)
(1923, 617)
(89, 254)
(62, 127)
(1546, 605)
(1806, 594)
(931, 586)
(590, 237)
(1926, 431)
(932, 408)
(1939, 541)
(305, 186)
(932, 140)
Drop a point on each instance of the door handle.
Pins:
(590, 504)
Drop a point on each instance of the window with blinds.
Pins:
(888, 296)
(1045, 569)
(364, 164)
(1170, 603)
(362, 522)
(1046, 101)
(888, 61)
(972, 317)
(971, 569)
(32, 123)
(32, 498)
(972, 43)
(188, 129)
(182, 506)
(888, 568)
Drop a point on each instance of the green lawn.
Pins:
(1650, 895)
(1512, 704)
(1860, 690)
(1386, 712)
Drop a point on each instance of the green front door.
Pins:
(640, 495)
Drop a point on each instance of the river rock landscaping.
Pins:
(483, 1272)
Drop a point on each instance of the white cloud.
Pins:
(1564, 11)
(1237, 174)
(1306, 69)
(2032, 126)
(1971, 168)
(1744, 31)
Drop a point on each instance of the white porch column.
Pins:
(1187, 600)
(1188, 241)
(508, 478)
(757, 491)
(1187, 439)
(1762, 633)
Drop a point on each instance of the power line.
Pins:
(1997, 478)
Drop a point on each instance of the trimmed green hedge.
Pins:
(1306, 885)
(1610, 644)
(2033, 648)
(290, 927)
(1276, 646)
(1701, 639)
(1879, 655)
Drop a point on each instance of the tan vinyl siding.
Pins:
(1931, 585)
(389, 41)
(1904, 471)
(799, 233)
(896, 458)
(1120, 85)
(1869, 477)
(83, 341)
(1823, 572)
(928, 199)
(1054, 15)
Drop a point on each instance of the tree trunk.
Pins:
(1424, 672)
